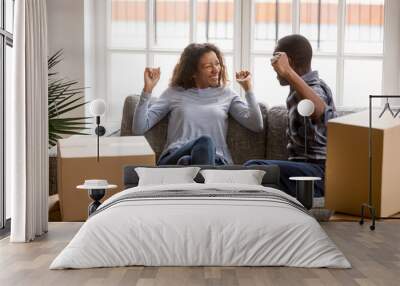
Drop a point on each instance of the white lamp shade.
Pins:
(97, 107)
(305, 107)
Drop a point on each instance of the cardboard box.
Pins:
(347, 180)
(77, 162)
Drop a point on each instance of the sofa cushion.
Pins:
(277, 121)
(243, 143)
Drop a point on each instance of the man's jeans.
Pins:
(294, 169)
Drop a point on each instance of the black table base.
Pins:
(96, 195)
(305, 193)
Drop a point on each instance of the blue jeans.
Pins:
(200, 151)
(292, 169)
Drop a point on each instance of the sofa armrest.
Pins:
(127, 114)
(156, 136)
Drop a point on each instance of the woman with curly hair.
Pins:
(198, 102)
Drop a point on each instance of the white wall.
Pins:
(391, 84)
(65, 24)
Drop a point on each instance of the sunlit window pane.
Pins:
(273, 20)
(8, 90)
(318, 22)
(1, 16)
(126, 78)
(172, 20)
(266, 86)
(167, 64)
(9, 15)
(229, 68)
(327, 72)
(361, 78)
(215, 22)
(128, 23)
(364, 26)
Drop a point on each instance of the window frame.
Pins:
(340, 56)
(6, 39)
(243, 41)
(151, 51)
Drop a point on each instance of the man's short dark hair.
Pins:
(297, 48)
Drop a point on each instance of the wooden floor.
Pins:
(375, 257)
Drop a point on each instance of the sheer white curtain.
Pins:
(27, 153)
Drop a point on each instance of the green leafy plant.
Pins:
(63, 97)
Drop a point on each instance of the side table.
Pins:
(96, 190)
(305, 190)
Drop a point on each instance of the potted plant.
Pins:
(63, 96)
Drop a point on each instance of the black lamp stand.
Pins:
(100, 131)
(305, 138)
(96, 195)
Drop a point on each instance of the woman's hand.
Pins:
(244, 79)
(151, 77)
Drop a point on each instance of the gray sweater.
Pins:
(196, 112)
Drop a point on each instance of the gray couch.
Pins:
(243, 143)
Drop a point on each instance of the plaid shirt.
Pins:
(316, 129)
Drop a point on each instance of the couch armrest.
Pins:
(156, 136)
(127, 114)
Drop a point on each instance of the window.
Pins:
(347, 41)
(154, 33)
(346, 35)
(6, 42)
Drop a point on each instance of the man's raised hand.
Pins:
(280, 63)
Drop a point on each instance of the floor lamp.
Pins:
(97, 109)
(305, 184)
(306, 109)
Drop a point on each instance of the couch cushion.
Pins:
(243, 143)
(277, 121)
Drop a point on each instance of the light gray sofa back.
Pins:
(276, 133)
(243, 143)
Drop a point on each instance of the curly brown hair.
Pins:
(188, 65)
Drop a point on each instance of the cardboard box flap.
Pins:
(81, 146)
(361, 119)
